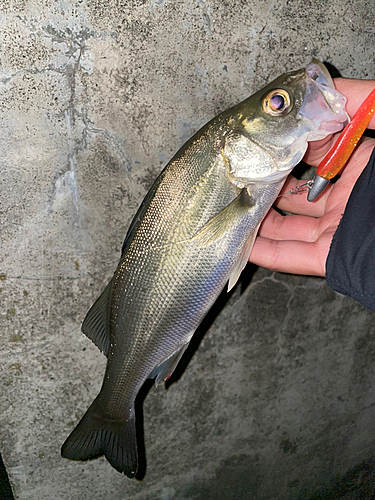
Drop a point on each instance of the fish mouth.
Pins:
(323, 106)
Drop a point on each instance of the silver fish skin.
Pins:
(193, 232)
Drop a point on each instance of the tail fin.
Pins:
(95, 435)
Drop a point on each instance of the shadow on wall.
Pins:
(237, 479)
(356, 484)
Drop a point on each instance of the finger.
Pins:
(288, 256)
(317, 150)
(357, 162)
(289, 227)
(356, 92)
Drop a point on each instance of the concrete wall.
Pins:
(95, 99)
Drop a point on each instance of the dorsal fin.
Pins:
(96, 324)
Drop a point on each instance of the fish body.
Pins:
(193, 232)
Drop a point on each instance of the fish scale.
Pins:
(193, 232)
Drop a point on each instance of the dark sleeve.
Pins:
(5, 488)
(350, 266)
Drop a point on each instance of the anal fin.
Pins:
(164, 371)
(96, 323)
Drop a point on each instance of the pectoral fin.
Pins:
(96, 324)
(242, 261)
(163, 371)
(219, 225)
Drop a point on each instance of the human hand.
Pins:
(300, 243)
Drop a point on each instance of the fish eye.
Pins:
(276, 103)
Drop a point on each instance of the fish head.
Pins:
(271, 129)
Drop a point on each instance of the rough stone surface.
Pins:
(95, 98)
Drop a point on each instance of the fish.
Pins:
(192, 234)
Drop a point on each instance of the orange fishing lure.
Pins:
(335, 160)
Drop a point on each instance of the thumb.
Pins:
(317, 150)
